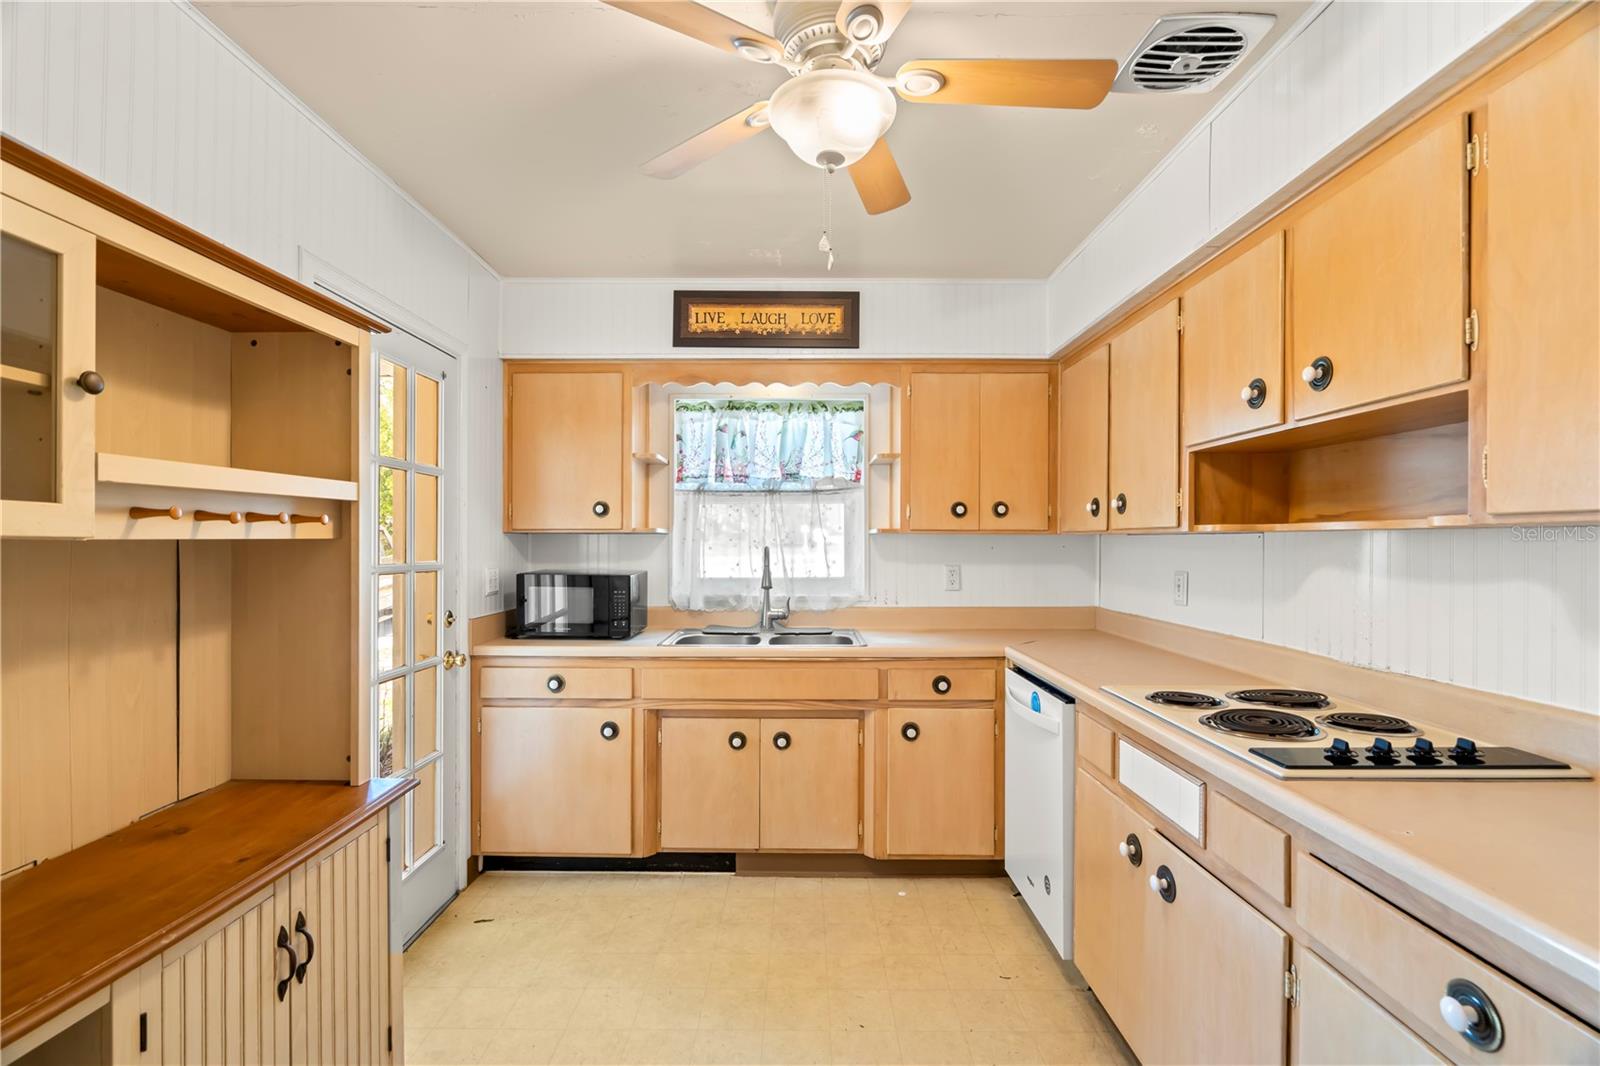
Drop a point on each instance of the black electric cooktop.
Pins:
(1311, 757)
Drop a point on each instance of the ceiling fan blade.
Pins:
(878, 180)
(707, 143)
(888, 16)
(1077, 83)
(701, 23)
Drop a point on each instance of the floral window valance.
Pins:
(766, 445)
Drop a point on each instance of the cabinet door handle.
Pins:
(609, 730)
(144, 1031)
(90, 382)
(1319, 375)
(555, 683)
(781, 740)
(737, 740)
(311, 947)
(1001, 509)
(1093, 507)
(1120, 504)
(1469, 1011)
(911, 731)
(1163, 884)
(287, 944)
(959, 509)
(1254, 394)
(601, 508)
(941, 685)
(1131, 850)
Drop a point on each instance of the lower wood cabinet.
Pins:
(556, 781)
(1335, 1023)
(1187, 970)
(941, 781)
(710, 783)
(811, 784)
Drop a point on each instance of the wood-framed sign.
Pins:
(766, 319)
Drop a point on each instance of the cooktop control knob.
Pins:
(1382, 752)
(1465, 751)
(1340, 753)
(1422, 751)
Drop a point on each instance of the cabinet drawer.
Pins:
(1097, 745)
(769, 682)
(935, 683)
(1253, 846)
(1169, 791)
(1415, 966)
(555, 682)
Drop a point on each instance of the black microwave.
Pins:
(600, 604)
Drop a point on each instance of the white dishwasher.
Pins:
(1041, 732)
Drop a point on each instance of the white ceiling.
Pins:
(521, 127)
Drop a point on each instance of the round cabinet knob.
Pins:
(737, 740)
(911, 731)
(609, 730)
(601, 508)
(958, 509)
(1254, 394)
(1001, 509)
(1163, 884)
(941, 684)
(1120, 504)
(1467, 1010)
(1319, 374)
(1093, 507)
(1131, 850)
(555, 683)
(781, 741)
(91, 383)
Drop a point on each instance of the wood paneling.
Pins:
(1539, 310)
(135, 1008)
(1233, 335)
(942, 447)
(1014, 451)
(1335, 1023)
(710, 790)
(1379, 275)
(291, 404)
(564, 450)
(551, 784)
(193, 866)
(811, 790)
(1144, 422)
(941, 783)
(1082, 469)
(205, 665)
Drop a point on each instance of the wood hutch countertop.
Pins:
(74, 924)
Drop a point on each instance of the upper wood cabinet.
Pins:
(1233, 346)
(1143, 449)
(565, 433)
(1378, 279)
(979, 451)
(1540, 313)
(48, 384)
(1083, 438)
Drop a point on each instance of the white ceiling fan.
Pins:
(835, 109)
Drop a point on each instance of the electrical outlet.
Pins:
(491, 581)
(1180, 587)
(952, 577)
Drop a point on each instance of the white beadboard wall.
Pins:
(903, 569)
(633, 317)
(1349, 73)
(1513, 610)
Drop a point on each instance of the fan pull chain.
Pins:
(826, 245)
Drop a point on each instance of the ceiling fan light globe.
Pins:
(831, 118)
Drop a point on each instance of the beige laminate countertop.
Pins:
(1520, 859)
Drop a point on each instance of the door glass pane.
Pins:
(391, 515)
(390, 603)
(391, 727)
(391, 410)
(427, 421)
(426, 612)
(425, 713)
(426, 545)
(29, 383)
(424, 813)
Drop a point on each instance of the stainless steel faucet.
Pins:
(768, 616)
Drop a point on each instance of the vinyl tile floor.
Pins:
(713, 968)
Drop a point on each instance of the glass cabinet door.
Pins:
(47, 377)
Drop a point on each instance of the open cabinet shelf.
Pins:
(263, 505)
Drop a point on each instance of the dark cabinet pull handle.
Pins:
(601, 508)
(1131, 850)
(1254, 394)
(609, 730)
(737, 740)
(1001, 509)
(287, 944)
(1319, 375)
(1164, 884)
(555, 683)
(958, 509)
(1120, 504)
(1469, 1011)
(144, 1031)
(311, 947)
(91, 383)
(911, 731)
(1093, 507)
(781, 740)
(941, 684)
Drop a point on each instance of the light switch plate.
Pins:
(1180, 587)
(952, 577)
(491, 581)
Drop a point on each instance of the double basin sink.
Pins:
(840, 638)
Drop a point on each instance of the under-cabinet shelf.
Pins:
(141, 498)
(16, 375)
(1441, 521)
(169, 473)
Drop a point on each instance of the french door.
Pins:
(416, 634)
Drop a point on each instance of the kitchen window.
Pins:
(780, 474)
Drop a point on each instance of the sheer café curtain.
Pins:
(784, 475)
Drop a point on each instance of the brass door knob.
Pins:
(453, 659)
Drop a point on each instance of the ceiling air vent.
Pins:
(1189, 53)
